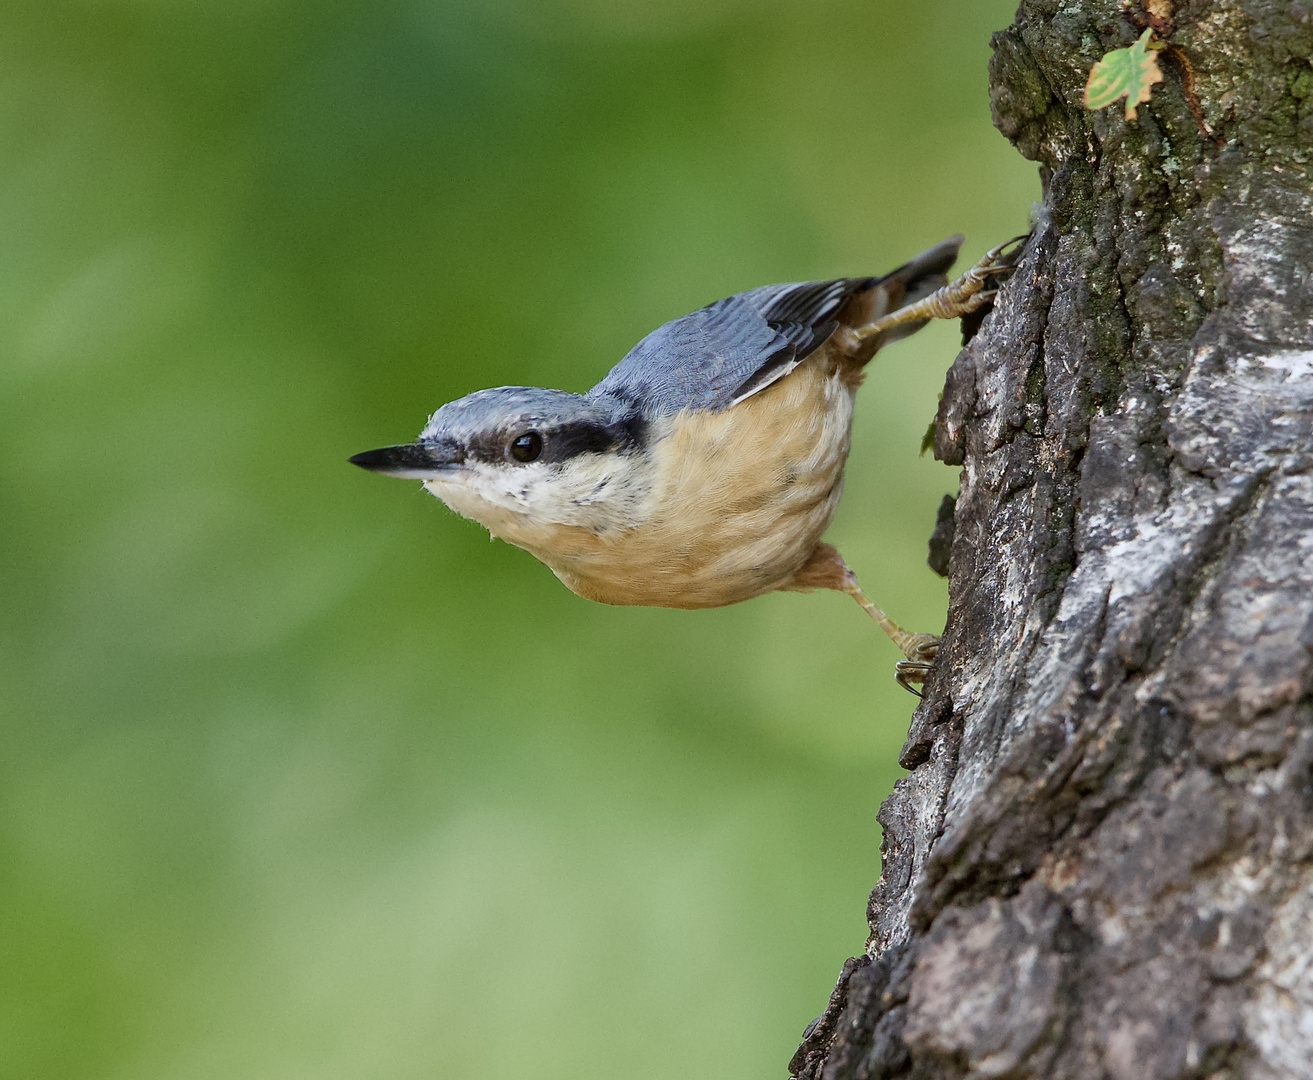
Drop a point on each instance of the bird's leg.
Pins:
(827, 570)
(958, 298)
(919, 649)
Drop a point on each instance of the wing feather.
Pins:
(719, 355)
(715, 357)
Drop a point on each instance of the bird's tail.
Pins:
(914, 280)
(918, 278)
(921, 276)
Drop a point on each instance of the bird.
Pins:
(705, 467)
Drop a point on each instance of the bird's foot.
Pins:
(825, 569)
(977, 287)
(920, 651)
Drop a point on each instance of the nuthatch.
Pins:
(704, 468)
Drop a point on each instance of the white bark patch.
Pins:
(1279, 1019)
(1295, 364)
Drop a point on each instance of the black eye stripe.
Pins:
(556, 443)
(579, 437)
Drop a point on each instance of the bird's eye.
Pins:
(527, 447)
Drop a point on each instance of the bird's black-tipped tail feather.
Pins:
(918, 278)
(914, 280)
(926, 272)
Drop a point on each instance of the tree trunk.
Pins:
(1101, 863)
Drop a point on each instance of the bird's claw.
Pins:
(970, 292)
(978, 286)
(997, 262)
(921, 652)
(1007, 255)
(907, 672)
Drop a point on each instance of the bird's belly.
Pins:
(739, 499)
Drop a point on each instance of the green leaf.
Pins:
(1128, 73)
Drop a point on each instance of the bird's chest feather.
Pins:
(731, 505)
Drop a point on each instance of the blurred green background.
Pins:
(303, 777)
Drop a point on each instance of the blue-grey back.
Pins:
(718, 355)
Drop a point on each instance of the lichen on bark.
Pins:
(1100, 864)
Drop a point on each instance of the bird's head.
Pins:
(521, 460)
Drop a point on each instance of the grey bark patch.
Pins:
(986, 989)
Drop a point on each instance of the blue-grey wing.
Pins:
(715, 357)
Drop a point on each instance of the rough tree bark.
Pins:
(1101, 863)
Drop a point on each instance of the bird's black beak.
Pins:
(415, 461)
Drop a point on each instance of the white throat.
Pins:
(522, 503)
